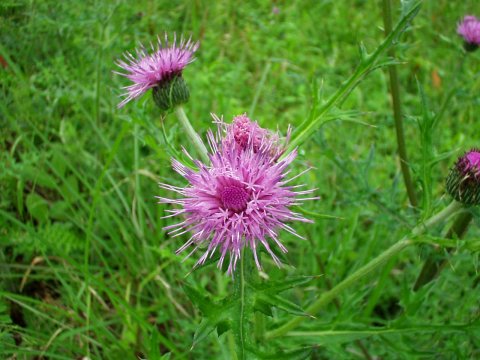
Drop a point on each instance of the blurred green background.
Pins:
(85, 267)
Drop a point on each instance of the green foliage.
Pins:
(368, 63)
(235, 312)
(85, 267)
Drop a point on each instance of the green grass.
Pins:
(85, 267)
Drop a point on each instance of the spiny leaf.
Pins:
(216, 315)
(206, 327)
(282, 304)
(275, 287)
(263, 306)
(202, 302)
(267, 295)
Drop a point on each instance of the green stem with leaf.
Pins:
(432, 266)
(368, 63)
(365, 270)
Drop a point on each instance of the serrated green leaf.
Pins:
(235, 313)
(287, 306)
(215, 315)
(263, 306)
(201, 301)
(206, 327)
(275, 287)
(267, 296)
(222, 327)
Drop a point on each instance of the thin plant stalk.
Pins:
(242, 331)
(369, 62)
(432, 266)
(354, 278)
(192, 134)
(336, 302)
(397, 109)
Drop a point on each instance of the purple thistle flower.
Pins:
(165, 63)
(469, 29)
(463, 182)
(242, 199)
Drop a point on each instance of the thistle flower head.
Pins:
(469, 29)
(159, 69)
(242, 199)
(463, 182)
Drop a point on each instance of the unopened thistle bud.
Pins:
(463, 182)
(161, 70)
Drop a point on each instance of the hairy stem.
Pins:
(354, 278)
(432, 266)
(192, 135)
(397, 108)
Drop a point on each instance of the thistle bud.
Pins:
(160, 70)
(463, 182)
(171, 93)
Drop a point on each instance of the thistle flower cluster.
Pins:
(463, 181)
(469, 29)
(241, 199)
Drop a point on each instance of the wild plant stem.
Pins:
(432, 266)
(397, 108)
(354, 278)
(337, 304)
(190, 132)
(367, 64)
(241, 333)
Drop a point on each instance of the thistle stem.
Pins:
(397, 108)
(432, 266)
(354, 278)
(242, 330)
(190, 132)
